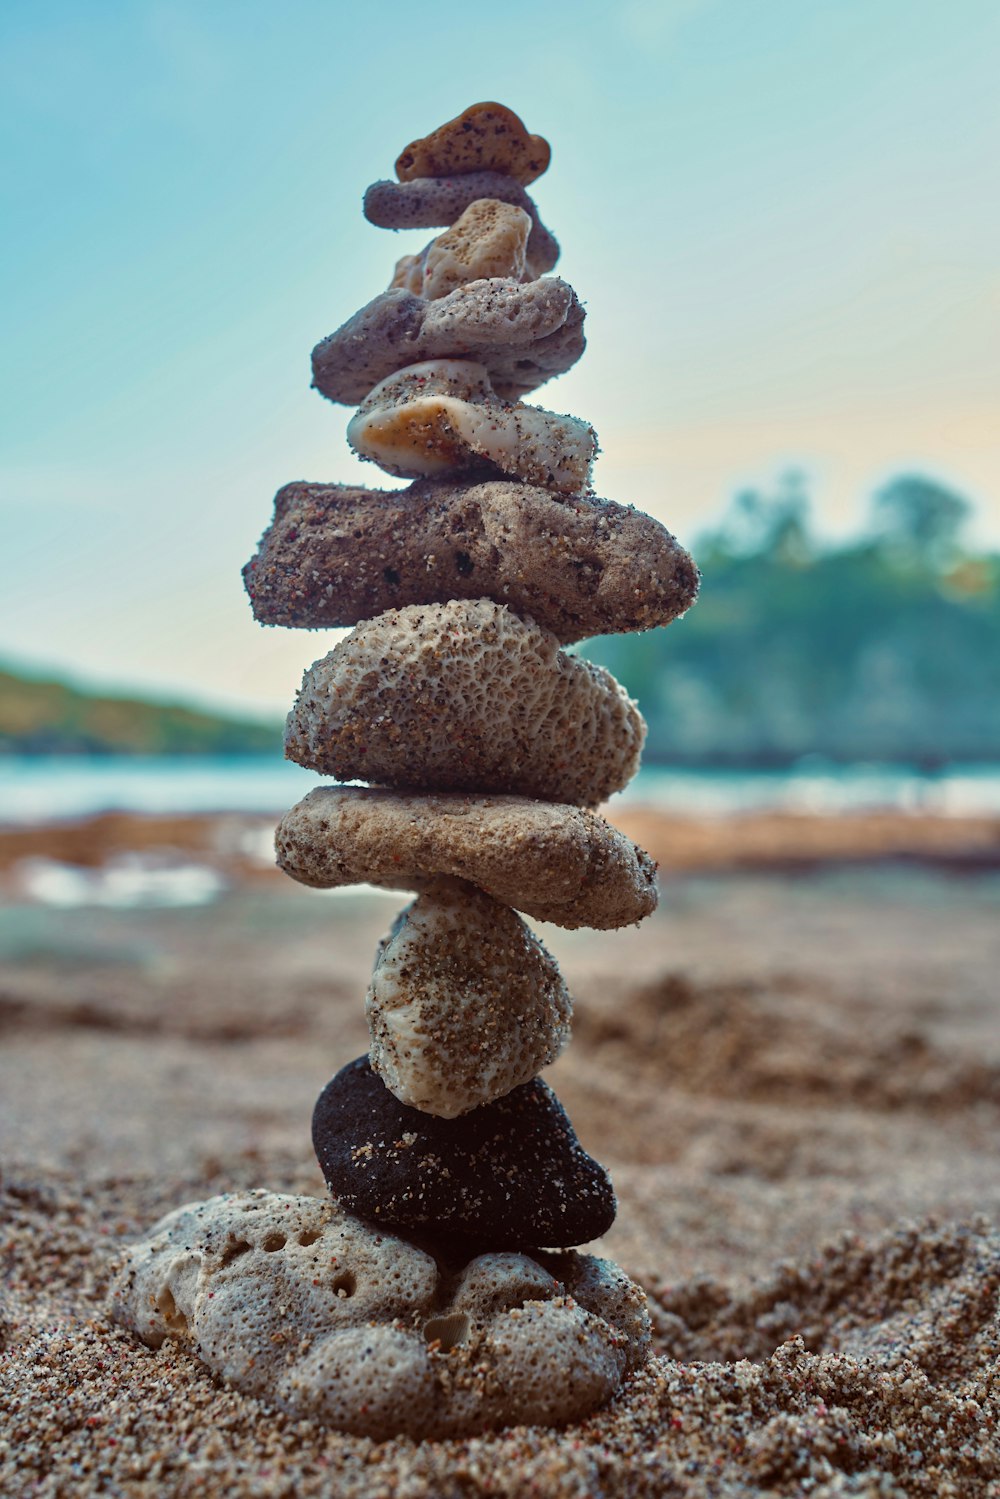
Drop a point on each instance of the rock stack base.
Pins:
(439, 1293)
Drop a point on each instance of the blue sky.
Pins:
(782, 215)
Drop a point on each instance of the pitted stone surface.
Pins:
(443, 417)
(433, 202)
(336, 555)
(295, 1301)
(485, 137)
(522, 334)
(464, 1005)
(489, 239)
(508, 1175)
(465, 696)
(553, 862)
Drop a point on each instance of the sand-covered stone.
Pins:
(465, 696)
(553, 862)
(443, 417)
(489, 239)
(464, 1005)
(508, 1175)
(523, 334)
(297, 1302)
(432, 202)
(335, 554)
(485, 137)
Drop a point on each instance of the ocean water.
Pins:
(44, 789)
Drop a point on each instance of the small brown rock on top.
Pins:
(553, 862)
(484, 138)
(336, 555)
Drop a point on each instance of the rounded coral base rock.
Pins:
(294, 1301)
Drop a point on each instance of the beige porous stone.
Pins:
(490, 239)
(431, 202)
(465, 696)
(336, 554)
(443, 416)
(553, 862)
(298, 1303)
(465, 1004)
(485, 137)
(523, 333)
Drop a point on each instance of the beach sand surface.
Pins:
(794, 1079)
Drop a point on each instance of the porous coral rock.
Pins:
(522, 334)
(465, 696)
(484, 137)
(443, 416)
(297, 1302)
(428, 202)
(553, 862)
(464, 1003)
(489, 239)
(336, 554)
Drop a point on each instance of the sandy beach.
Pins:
(792, 1071)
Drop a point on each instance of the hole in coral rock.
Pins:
(167, 1307)
(233, 1250)
(390, 575)
(463, 563)
(273, 1242)
(344, 1284)
(308, 1236)
(447, 1331)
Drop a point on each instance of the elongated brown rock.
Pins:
(336, 555)
(553, 862)
(434, 202)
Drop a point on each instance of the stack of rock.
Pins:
(486, 749)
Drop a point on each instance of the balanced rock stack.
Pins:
(458, 1183)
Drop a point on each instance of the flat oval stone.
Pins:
(509, 1175)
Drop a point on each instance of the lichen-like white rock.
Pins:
(296, 1302)
(443, 416)
(489, 239)
(465, 1003)
(465, 696)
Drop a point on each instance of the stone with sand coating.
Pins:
(553, 862)
(464, 1005)
(443, 417)
(523, 334)
(432, 202)
(465, 696)
(489, 239)
(508, 1175)
(335, 555)
(293, 1300)
(485, 137)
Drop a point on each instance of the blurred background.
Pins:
(783, 219)
(783, 223)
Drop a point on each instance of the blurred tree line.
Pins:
(884, 649)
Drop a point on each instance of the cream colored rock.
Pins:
(465, 1004)
(489, 239)
(443, 417)
(553, 862)
(295, 1302)
(523, 333)
(485, 137)
(465, 696)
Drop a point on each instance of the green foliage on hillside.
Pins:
(888, 648)
(38, 717)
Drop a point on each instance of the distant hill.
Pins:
(51, 718)
(887, 648)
